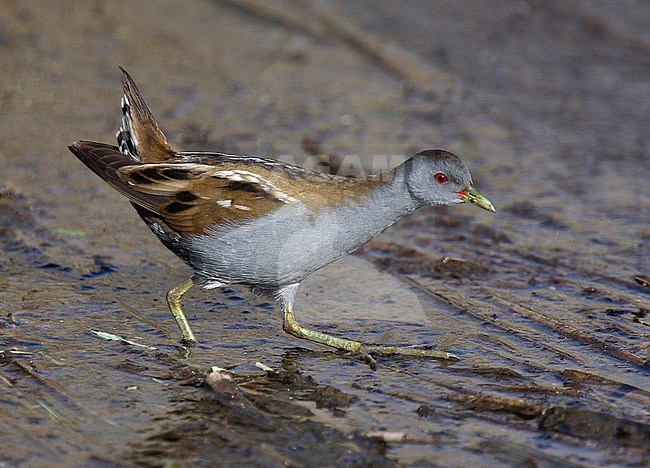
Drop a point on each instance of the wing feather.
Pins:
(188, 197)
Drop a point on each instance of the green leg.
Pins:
(174, 298)
(292, 327)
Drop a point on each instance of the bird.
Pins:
(263, 223)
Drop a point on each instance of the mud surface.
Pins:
(545, 302)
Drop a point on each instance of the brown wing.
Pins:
(189, 197)
(196, 196)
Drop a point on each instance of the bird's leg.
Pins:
(294, 328)
(174, 300)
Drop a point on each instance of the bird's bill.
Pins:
(471, 195)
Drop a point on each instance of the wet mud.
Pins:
(545, 302)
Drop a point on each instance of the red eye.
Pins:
(440, 178)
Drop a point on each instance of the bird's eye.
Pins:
(440, 178)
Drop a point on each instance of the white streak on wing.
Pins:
(235, 175)
(238, 175)
(224, 203)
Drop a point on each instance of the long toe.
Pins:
(405, 351)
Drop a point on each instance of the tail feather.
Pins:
(139, 136)
(105, 161)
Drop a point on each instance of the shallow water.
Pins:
(547, 105)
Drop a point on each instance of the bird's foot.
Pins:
(407, 351)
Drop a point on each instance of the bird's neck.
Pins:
(385, 204)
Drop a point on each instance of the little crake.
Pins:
(260, 222)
